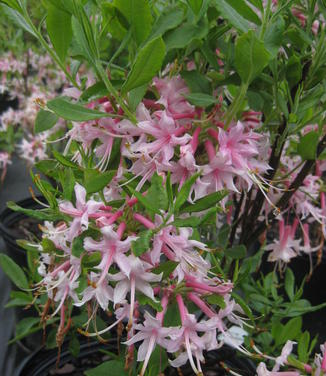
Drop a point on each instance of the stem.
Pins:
(48, 49)
(265, 19)
(236, 104)
(114, 93)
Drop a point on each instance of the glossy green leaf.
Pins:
(58, 24)
(148, 62)
(307, 147)
(166, 268)
(96, 181)
(231, 14)
(182, 36)
(13, 271)
(289, 283)
(244, 10)
(184, 192)
(143, 243)
(195, 5)
(72, 111)
(236, 252)
(45, 120)
(201, 99)
(204, 203)
(251, 56)
(169, 19)
(112, 368)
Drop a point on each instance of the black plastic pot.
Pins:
(43, 362)
(314, 291)
(8, 220)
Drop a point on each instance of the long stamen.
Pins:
(132, 301)
(150, 349)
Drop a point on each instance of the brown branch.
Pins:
(284, 200)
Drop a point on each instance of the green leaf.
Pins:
(223, 235)
(187, 222)
(74, 112)
(303, 347)
(141, 19)
(289, 283)
(166, 268)
(216, 299)
(138, 14)
(23, 327)
(195, 5)
(96, 181)
(13, 271)
(251, 56)
(169, 19)
(19, 299)
(291, 330)
(45, 120)
(197, 82)
(244, 10)
(77, 248)
(158, 361)
(293, 71)
(68, 182)
(184, 192)
(96, 91)
(145, 300)
(17, 18)
(43, 214)
(307, 147)
(112, 367)
(64, 160)
(204, 203)
(74, 346)
(148, 62)
(274, 36)
(143, 243)
(172, 316)
(58, 24)
(91, 260)
(201, 99)
(243, 305)
(157, 194)
(182, 36)
(231, 14)
(236, 252)
(136, 96)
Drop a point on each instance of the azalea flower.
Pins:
(80, 213)
(151, 332)
(137, 279)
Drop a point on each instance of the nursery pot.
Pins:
(12, 226)
(313, 291)
(92, 354)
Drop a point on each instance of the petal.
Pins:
(120, 291)
(80, 193)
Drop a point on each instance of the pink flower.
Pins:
(112, 248)
(189, 338)
(172, 91)
(263, 371)
(80, 212)
(138, 279)
(286, 247)
(167, 135)
(100, 289)
(219, 173)
(151, 332)
(282, 359)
